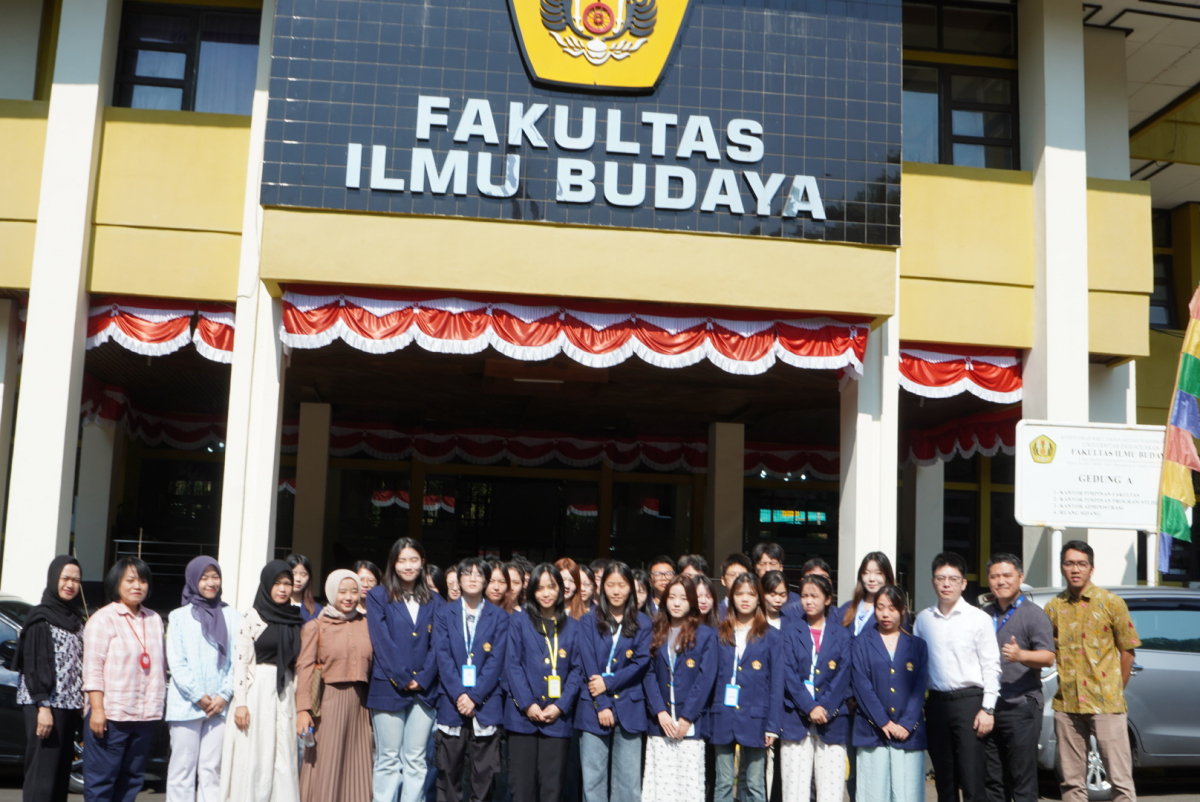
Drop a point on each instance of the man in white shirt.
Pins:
(964, 683)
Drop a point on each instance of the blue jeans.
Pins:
(754, 759)
(114, 766)
(886, 774)
(401, 743)
(624, 750)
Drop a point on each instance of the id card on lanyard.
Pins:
(671, 666)
(469, 672)
(612, 654)
(732, 690)
(553, 682)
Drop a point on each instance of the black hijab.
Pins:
(284, 616)
(35, 651)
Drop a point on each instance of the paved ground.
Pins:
(1173, 786)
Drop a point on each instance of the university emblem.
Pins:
(833, 664)
(1042, 449)
(562, 652)
(598, 44)
(691, 663)
(756, 665)
(487, 647)
(629, 652)
(909, 666)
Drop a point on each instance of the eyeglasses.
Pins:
(1076, 564)
(663, 574)
(947, 580)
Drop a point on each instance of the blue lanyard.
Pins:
(469, 640)
(611, 653)
(996, 618)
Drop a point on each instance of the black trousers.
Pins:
(1012, 751)
(958, 756)
(452, 750)
(537, 767)
(48, 760)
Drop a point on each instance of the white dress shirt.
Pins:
(962, 650)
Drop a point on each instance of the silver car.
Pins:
(1164, 707)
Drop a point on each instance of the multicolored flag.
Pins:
(1179, 453)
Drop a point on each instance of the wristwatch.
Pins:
(991, 711)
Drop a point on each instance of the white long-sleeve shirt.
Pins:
(962, 650)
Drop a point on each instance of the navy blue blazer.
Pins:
(831, 682)
(487, 655)
(526, 666)
(889, 689)
(839, 613)
(760, 677)
(403, 652)
(624, 694)
(695, 673)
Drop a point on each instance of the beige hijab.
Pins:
(332, 583)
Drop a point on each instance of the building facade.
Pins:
(611, 278)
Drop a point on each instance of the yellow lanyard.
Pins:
(553, 650)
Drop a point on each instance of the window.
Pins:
(1162, 300)
(1168, 627)
(978, 29)
(187, 59)
(964, 113)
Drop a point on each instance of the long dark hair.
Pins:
(889, 578)
(644, 578)
(531, 605)
(307, 600)
(709, 619)
(391, 580)
(758, 626)
(605, 622)
(438, 577)
(896, 597)
(512, 565)
(662, 621)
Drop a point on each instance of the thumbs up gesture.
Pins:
(1011, 651)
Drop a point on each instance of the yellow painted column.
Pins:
(726, 466)
(312, 475)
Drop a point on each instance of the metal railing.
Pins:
(166, 560)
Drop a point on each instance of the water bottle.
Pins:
(307, 739)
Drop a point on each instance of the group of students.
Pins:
(598, 681)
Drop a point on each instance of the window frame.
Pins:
(1165, 605)
(947, 106)
(1009, 8)
(128, 46)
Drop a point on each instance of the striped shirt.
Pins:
(112, 649)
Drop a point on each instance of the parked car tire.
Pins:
(75, 785)
(1098, 787)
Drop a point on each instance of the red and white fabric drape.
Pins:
(288, 485)
(491, 447)
(989, 434)
(941, 371)
(595, 334)
(159, 326)
(108, 405)
(400, 498)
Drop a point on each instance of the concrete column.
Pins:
(97, 468)
(9, 325)
(1107, 102)
(726, 482)
(869, 456)
(1054, 149)
(248, 495)
(924, 489)
(47, 425)
(312, 477)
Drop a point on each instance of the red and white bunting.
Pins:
(941, 371)
(988, 434)
(584, 510)
(107, 405)
(400, 498)
(790, 462)
(214, 332)
(650, 507)
(158, 326)
(595, 334)
(288, 485)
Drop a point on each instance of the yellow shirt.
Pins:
(1089, 635)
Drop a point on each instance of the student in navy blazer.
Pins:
(404, 687)
(748, 698)
(470, 639)
(891, 673)
(544, 678)
(678, 685)
(611, 715)
(816, 724)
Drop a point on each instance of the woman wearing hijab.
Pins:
(200, 653)
(50, 661)
(338, 767)
(259, 760)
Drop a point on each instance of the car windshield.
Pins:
(18, 611)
